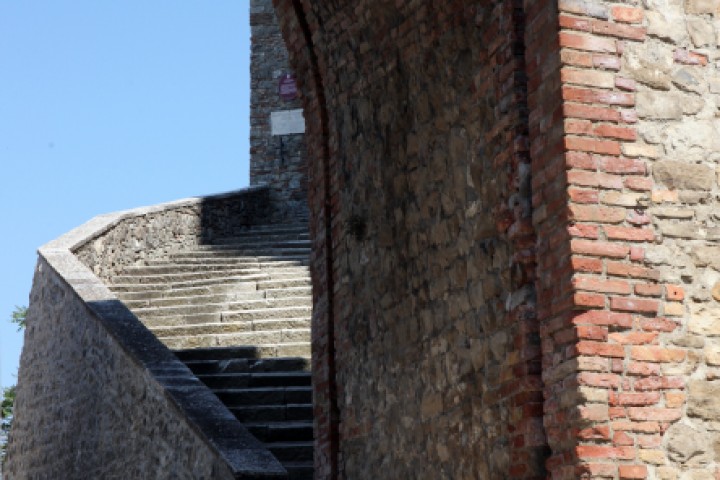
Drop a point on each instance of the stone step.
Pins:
(242, 365)
(247, 282)
(258, 350)
(291, 431)
(141, 292)
(256, 337)
(283, 283)
(269, 237)
(235, 251)
(260, 242)
(241, 291)
(230, 327)
(273, 413)
(204, 259)
(299, 470)
(174, 268)
(235, 397)
(291, 451)
(226, 316)
(237, 274)
(257, 379)
(134, 300)
(216, 353)
(225, 255)
(301, 226)
(224, 307)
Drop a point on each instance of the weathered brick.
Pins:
(629, 472)
(639, 305)
(576, 110)
(591, 78)
(633, 338)
(593, 284)
(600, 214)
(656, 414)
(597, 451)
(603, 249)
(594, 179)
(622, 13)
(587, 42)
(629, 234)
(656, 354)
(590, 95)
(606, 318)
(629, 32)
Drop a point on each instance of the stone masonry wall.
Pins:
(677, 75)
(135, 236)
(425, 345)
(274, 161)
(85, 409)
(414, 113)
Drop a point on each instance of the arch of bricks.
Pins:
(511, 205)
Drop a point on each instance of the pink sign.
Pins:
(287, 88)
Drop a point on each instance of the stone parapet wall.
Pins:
(98, 395)
(108, 243)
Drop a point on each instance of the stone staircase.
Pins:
(237, 313)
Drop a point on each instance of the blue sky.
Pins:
(106, 106)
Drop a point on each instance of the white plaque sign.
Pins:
(287, 122)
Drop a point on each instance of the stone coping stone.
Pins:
(196, 404)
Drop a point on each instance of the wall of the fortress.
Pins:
(413, 113)
(87, 409)
(277, 161)
(424, 166)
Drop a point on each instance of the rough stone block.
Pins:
(702, 6)
(682, 175)
(659, 105)
(704, 399)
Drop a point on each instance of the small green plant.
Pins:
(6, 417)
(18, 317)
(7, 403)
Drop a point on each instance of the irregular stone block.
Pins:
(686, 80)
(704, 325)
(659, 105)
(649, 63)
(704, 256)
(703, 134)
(701, 32)
(687, 445)
(704, 399)
(689, 176)
(702, 6)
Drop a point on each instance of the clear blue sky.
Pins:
(106, 106)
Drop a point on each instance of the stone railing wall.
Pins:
(98, 395)
(108, 243)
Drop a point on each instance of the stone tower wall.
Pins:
(276, 161)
